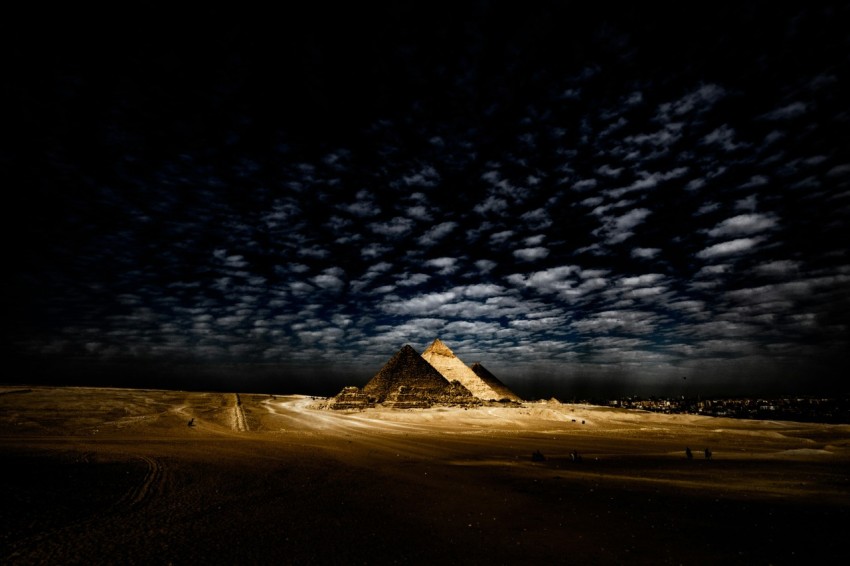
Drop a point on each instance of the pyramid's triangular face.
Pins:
(452, 368)
(406, 368)
(494, 383)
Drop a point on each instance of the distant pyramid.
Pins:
(494, 383)
(452, 368)
(405, 381)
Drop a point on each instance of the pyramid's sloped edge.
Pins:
(494, 382)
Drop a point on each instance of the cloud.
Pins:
(568, 281)
(723, 136)
(586, 184)
(235, 261)
(531, 254)
(743, 224)
(283, 211)
(695, 184)
(689, 305)
(372, 251)
(454, 304)
(799, 289)
(485, 265)
(300, 288)
(698, 101)
(641, 280)
(788, 112)
(810, 182)
(537, 219)
(728, 248)
(647, 181)
(364, 206)
(592, 201)
(419, 212)
(437, 233)
(538, 324)
(607, 171)
(491, 204)
(749, 203)
(425, 177)
(712, 270)
(479, 290)
(394, 228)
(645, 253)
(412, 280)
(390, 336)
(778, 268)
(663, 138)
(330, 279)
(755, 181)
(313, 251)
(842, 170)
(617, 229)
(644, 292)
(624, 321)
(446, 265)
(707, 208)
(500, 237)
(377, 268)
(477, 329)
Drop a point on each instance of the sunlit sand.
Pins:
(115, 475)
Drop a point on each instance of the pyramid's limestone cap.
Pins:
(438, 347)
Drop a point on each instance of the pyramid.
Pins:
(405, 368)
(452, 368)
(350, 398)
(494, 383)
(406, 381)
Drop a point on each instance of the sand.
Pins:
(118, 476)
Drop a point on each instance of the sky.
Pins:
(588, 200)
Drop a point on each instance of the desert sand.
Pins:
(118, 476)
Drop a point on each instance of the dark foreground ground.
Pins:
(117, 476)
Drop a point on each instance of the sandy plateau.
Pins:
(118, 476)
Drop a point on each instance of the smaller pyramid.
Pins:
(350, 398)
(452, 368)
(494, 383)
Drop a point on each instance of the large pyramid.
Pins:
(405, 381)
(452, 368)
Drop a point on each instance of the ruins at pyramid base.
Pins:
(411, 381)
(406, 381)
(482, 384)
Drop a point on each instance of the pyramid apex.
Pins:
(438, 347)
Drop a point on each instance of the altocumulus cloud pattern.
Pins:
(584, 199)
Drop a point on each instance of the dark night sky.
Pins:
(587, 200)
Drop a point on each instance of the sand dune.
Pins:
(115, 475)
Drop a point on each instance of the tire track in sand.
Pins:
(45, 543)
(238, 421)
(152, 483)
